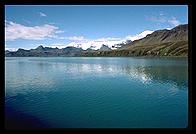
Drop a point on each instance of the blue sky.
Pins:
(61, 26)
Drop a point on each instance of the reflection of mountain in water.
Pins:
(174, 74)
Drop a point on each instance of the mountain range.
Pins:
(164, 42)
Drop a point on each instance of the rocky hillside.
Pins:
(104, 48)
(177, 34)
(172, 42)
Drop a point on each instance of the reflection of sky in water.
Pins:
(99, 91)
(45, 74)
(22, 75)
(145, 74)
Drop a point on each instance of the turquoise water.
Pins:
(82, 92)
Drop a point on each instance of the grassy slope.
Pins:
(160, 43)
(164, 49)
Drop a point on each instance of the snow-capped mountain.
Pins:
(112, 43)
(96, 45)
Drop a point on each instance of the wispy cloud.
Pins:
(15, 31)
(59, 31)
(162, 18)
(72, 38)
(174, 21)
(161, 13)
(58, 45)
(84, 43)
(42, 14)
(76, 38)
(26, 21)
(11, 48)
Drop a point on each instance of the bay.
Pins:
(95, 92)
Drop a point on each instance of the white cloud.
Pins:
(87, 44)
(139, 36)
(27, 47)
(58, 45)
(174, 21)
(80, 41)
(97, 43)
(15, 31)
(32, 46)
(161, 18)
(107, 39)
(26, 21)
(161, 13)
(59, 31)
(76, 38)
(42, 14)
(11, 49)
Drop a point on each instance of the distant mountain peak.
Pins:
(104, 48)
(161, 42)
(20, 49)
(40, 47)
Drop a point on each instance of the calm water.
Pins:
(97, 92)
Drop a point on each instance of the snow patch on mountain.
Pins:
(112, 43)
(139, 36)
(96, 44)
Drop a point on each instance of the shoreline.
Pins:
(110, 56)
